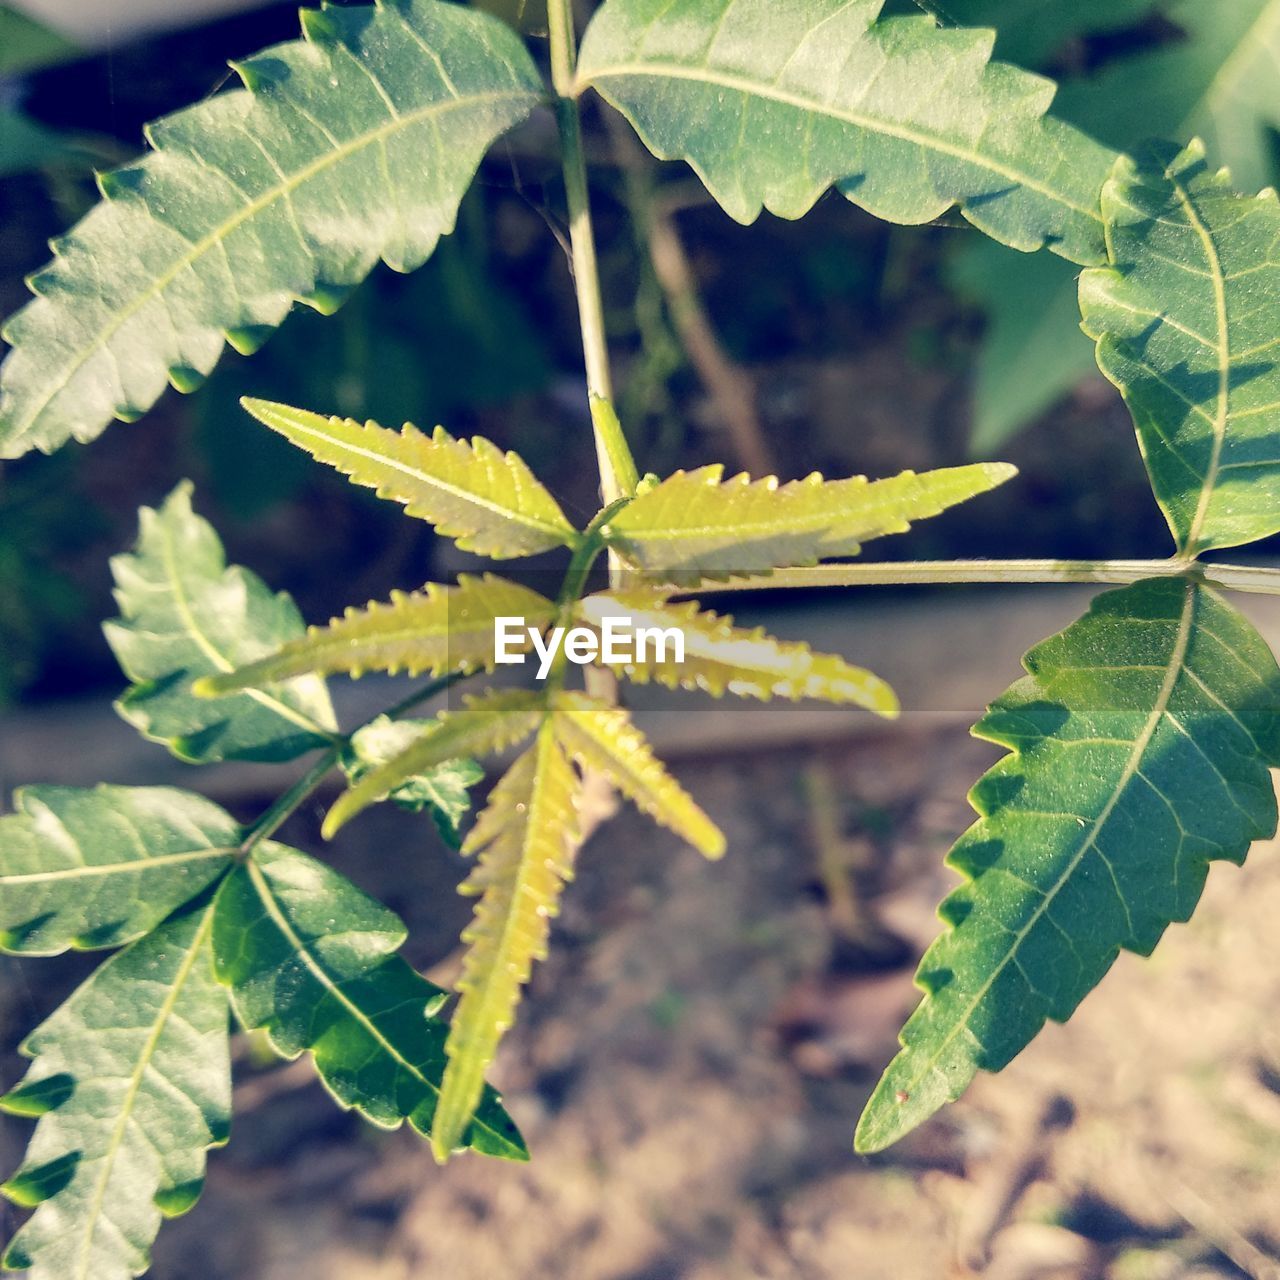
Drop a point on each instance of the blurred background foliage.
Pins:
(835, 343)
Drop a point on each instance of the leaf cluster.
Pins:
(1138, 743)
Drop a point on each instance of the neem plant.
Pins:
(1139, 742)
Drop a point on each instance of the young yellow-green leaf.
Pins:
(721, 658)
(604, 739)
(1186, 320)
(773, 101)
(185, 614)
(435, 630)
(488, 501)
(484, 724)
(1140, 746)
(131, 1080)
(443, 790)
(98, 868)
(354, 144)
(311, 959)
(526, 839)
(696, 523)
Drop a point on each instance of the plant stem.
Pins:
(586, 269)
(1259, 579)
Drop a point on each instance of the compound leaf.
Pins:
(604, 739)
(695, 523)
(526, 839)
(444, 791)
(98, 868)
(354, 144)
(772, 101)
(185, 614)
(1186, 322)
(132, 1083)
(482, 725)
(1140, 747)
(487, 500)
(434, 630)
(311, 959)
(719, 657)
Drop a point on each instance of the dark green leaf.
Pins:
(132, 1081)
(311, 959)
(186, 614)
(98, 868)
(1140, 746)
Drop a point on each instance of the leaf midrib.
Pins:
(114, 868)
(658, 69)
(300, 948)
(1230, 70)
(219, 234)
(1132, 766)
(1222, 414)
(206, 646)
(516, 516)
(135, 1084)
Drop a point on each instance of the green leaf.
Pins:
(434, 630)
(1030, 31)
(482, 725)
(526, 839)
(443, 791)
(1186, 321)
(720, 658)
(772, 101)
(311, 959)
(354, 144)
(186, 614)
(696, 524)
(26, 145)
(132, 1083)
(487, 500)
(98, 868)
(1219, 80)
(603, 738)
(1140, 744)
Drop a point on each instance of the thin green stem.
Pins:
(617, 469)
(1259, 579)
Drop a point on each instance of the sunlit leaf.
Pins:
(1140, 747)
(697, 523)
(352, 145)
(311, 960)
(604, 738)
(444, 790)
(773, 101)
(101, 867)
(1188, 327)
(185, 614)
(482, 725)
(487, 500)
(526, 839)
(720, 658)
(131, 1080)
(434, 630)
